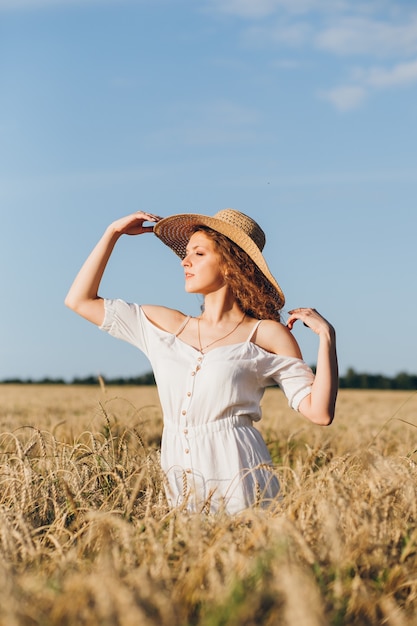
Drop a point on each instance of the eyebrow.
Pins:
(197, 245)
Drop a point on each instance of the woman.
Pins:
(211, 370)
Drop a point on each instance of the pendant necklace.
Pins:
(202, 348)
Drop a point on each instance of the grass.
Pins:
(86, 537)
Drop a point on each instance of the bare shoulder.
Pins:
(164, 317)
(277, 338)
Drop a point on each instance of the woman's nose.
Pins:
(185, 261)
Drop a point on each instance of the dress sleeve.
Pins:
(293, 376)
(125, 321)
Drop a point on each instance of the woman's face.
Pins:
(202, 265)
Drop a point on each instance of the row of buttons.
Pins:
(184, 411)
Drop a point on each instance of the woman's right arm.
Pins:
(83, 295)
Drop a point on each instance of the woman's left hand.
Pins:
(310, 318)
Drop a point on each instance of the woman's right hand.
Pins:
(133, 224)
(83, 295)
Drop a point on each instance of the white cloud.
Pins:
(366, 36)
(371, 29)
(345, 97)
(401, 74)
(368, 81)
(263, 8)
(342, 35)
(374, 29)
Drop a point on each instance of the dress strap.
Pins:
(253, 331)
(183, 325)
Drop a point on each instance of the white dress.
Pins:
(212, 455)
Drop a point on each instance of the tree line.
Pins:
(351, 380)
(357, 380)
(144, 379)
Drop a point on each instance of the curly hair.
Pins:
(252, 291)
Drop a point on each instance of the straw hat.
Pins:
(175, 232)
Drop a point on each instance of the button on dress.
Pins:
(212, 455)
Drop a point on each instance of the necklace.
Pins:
(202, 348)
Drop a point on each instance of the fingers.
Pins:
(147, 217)
(133, 224)
(302, 313)
(308, 316)
(301, 310)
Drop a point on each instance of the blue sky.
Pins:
(300, 113)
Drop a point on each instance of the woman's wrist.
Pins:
(113, 231)
(328, 334)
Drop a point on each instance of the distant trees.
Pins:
(356, 380)
(351, 380)
(31, 381)
(144, 379)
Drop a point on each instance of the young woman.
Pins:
(211, 371)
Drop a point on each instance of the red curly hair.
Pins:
(245, 280)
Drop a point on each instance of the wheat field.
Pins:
(86, 537)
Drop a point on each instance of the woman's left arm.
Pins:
(319, 406)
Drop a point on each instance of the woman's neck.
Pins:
(220, 309)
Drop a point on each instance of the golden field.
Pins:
(86, 537)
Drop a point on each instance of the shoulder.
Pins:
(163, 317)
(276, 338)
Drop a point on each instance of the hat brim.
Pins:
(175, 231)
